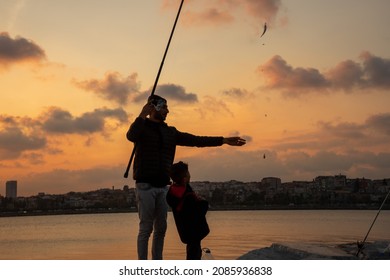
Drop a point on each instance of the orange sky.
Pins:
(312, 93)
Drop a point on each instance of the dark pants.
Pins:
(194, 250)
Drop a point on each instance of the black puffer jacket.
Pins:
(189, 212)
(156, 146)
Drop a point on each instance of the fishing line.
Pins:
(156, 81)
(361, 244)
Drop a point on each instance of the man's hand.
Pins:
(234, 141)
(146, 110)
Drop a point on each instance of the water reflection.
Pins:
(233, 233)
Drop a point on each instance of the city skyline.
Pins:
(310, 96)
(318, 178)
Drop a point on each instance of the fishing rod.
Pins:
(361, 244)
(156, 82)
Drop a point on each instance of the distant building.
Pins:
(340, 181)
(11, 189)
(271, 183)
(325, 182)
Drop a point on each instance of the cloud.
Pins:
(377, 70)
(18, 50)
(14, 141)
(374, 126)
(237, 93)
(333, 148)
(346, 75)
(371, 73)
(201, 13)
(279, 74)
(207, 17)
(380, 123)
(372, 134)
(212, 106)
(265, 9)
(319, 163)
(355, 164)
(35, 158)
(353, 148)
(224, 164)
(20, 135)
(177, 93)
(112, 87)
(59, 121)
(343, 130)
(170, 92)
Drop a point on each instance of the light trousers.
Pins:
(152, 213)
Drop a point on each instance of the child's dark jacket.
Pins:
(189, 212)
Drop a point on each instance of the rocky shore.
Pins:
(376, 250)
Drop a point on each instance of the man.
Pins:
(154, 155)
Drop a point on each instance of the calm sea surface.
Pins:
(233, 233)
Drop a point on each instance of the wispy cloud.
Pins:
(211, 107)
(237, 93)
(262, 9)
(14, 13)
(204, 12)
(210, 16)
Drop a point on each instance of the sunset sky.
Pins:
(312, 94)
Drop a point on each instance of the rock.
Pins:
(316, 251)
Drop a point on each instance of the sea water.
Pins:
(232, 233)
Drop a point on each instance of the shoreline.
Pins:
(134, 210)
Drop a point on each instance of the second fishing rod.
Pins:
(156, 81)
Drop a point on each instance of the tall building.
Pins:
(11, 189)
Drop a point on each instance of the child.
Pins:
(189, 211)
